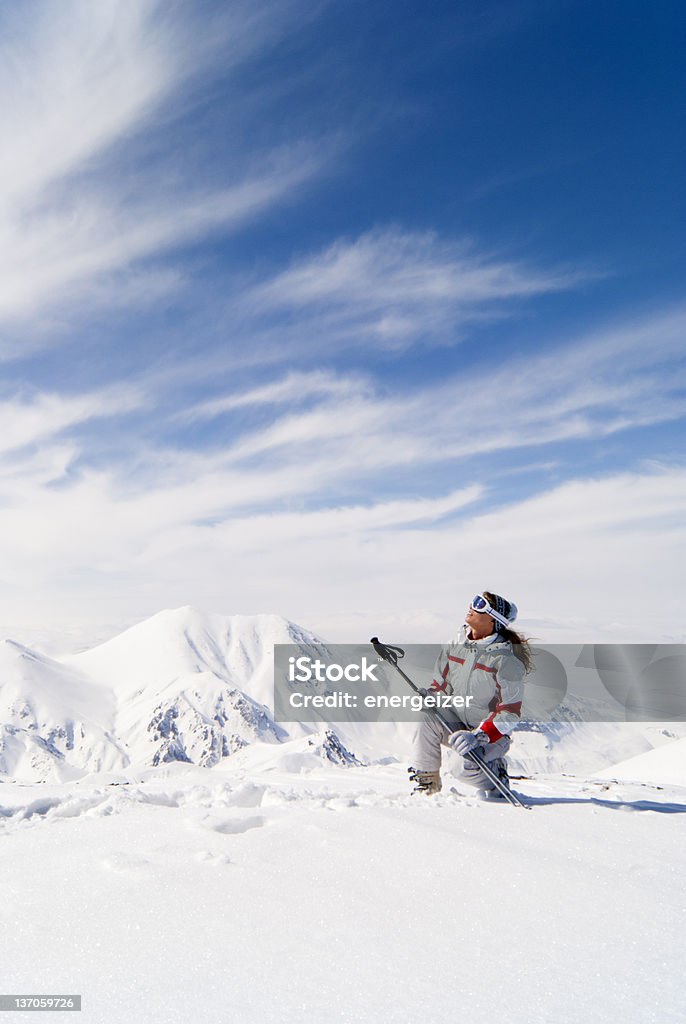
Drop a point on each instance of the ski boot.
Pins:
(426, 782)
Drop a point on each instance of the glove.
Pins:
(431, 703)
(464, 743)
(431, 694)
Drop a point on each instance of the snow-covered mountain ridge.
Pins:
(180, 686)
(186, 686)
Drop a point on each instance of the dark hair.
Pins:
(520, 643)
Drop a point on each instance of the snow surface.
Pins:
(663, 766)
(173, 854)
(328, 894)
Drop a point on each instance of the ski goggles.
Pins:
(480, 604)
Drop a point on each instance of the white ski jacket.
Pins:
(491, 674)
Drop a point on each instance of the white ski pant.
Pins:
(432, 734)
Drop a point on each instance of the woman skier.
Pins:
(487, 663)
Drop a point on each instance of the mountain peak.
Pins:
(181, 685)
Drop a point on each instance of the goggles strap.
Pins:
(487, 609)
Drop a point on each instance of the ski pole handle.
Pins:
(387, 652)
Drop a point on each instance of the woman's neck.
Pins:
(471, 635)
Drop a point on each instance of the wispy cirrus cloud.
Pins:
(331, 443)
(395, 287)
(92, 197)
(348, 496)
(295, 388)
(35, 418)
(76, 78)
(61, 256)
(594, 386)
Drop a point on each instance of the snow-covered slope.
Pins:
(585, 748)
(183, 642)
(198, 688)
(180, 686)
(192, 687)
(665, 766)
(53, 722)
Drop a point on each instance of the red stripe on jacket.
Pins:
(484, 667)
(444, 676)
(515, 708)
(489, 727)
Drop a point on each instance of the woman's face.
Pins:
(480, 623)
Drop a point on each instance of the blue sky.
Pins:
(343, 311)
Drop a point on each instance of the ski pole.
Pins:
(506, 792)
(391, 654)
